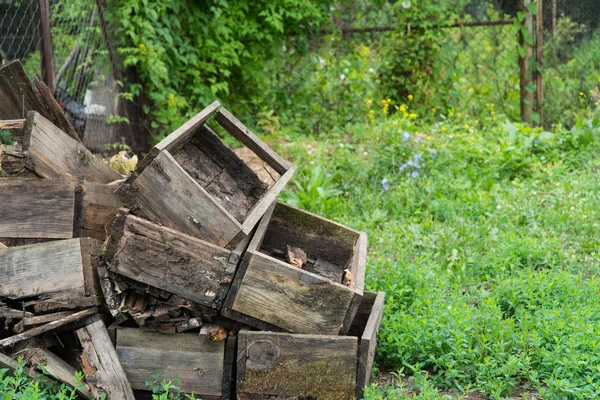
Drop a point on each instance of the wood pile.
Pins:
(188, 266)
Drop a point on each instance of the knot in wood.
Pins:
(262, 354)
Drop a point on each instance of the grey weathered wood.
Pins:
(101, 364)
(63, 301)
(13, 163)
(169, 260)
(6, 312)
(100, 204)
(44, 268)
(53, 154)
(307, 366)
(268, 290)
(229, 368)
(47, 327)
(250, 140)
(368, 339)
(57, 368)
(197, 361)
(11, 364)
(44, 319)
(111, 297)
(35, 208)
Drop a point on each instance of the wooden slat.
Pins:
(368, 340)
(197, 361)
(11, 364)
(11, 124)
(100, 204)
(74, 317)
(44, 319)
(37, 208)
(166, 194)
(13, 163)
(250, 140)
(43, 268)
(101, 364)
(53, 154)
(57, 368)
(307, 366)
(305, 303)
(169, 260)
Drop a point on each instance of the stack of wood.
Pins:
(189, 266)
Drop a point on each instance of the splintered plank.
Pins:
(305, 303)
(166, 194)
(57, 368)
(373, 308)
(44, 268)
(197, 361)
(101, 364)
(171, 261)
(35, 208)
(306, 366)
(100, 204)
(53, 154)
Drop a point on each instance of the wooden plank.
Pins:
(101, 364)
(52, 110)
(358, 266)
(368, 340)
(47, 327)
(13, 163)
(44, 268)
(307, 366)
(164, 193)
(63, 302)
(11, 124)
(100, 204)
(12, 364)
(306, 303)
(44, 319)
(57, 368)
(35, 208)
(197, 361)
(53, 154)
(170, 260)
(229, 368)
(250, 140)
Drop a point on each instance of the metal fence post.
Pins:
(46, 44)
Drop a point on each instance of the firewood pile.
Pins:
(188, 266)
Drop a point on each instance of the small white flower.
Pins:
(365, 153)
(321, 61)
(406, 4)
(342, 145)
(371, 70)
(342, 77)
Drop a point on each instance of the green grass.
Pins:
(489, 258)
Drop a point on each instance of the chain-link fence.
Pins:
(85, 69)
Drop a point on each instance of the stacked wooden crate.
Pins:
(196, 268)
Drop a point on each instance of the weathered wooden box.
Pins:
(278, 366)
(268, 292)
(192, 182)
(202, 366)
(172, 261)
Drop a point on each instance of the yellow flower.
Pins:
(591, 91)
(581, 94)
(597, 104)
(458, 115)
(402, 108)
(443, 129)
(471, 90)
(466, 126)
(412, 116)
(410, 97)
(377, 137)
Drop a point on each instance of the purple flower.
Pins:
(432, 151)
(403, 167)
(419, 138)
(410, 163)
(405, 137)
(418, 157)
(415, 174)
(345, 187)
(384, 183)
(329, 175)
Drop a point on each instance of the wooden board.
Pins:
(290, 298)
(100, 204)
(44, 268)
(13, 163)
(35, 208)
(164, 193)
(170, 260)
(306, 366)
(53, 154)
(197, 361)
(368, 339)
(11, 364)
(101, 364)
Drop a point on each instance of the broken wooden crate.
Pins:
(319, 297)
(203, 366)
(277, 365)
(192, 182)
(172, 261)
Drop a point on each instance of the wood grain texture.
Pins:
(164, 193)
(307, 366)
(44, 268)
(53, 154)
(197, 361)
(368, 339)
(74, 317)
(52, 109)
(290, 298)
(11, 124)
(11, 364)
(250, 140)
(35, 208)
(100, 204)
(170, 260)
(101, 364)
(57, 368)
(44, 319)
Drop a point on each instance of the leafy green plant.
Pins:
(163, 389)
(314, 192)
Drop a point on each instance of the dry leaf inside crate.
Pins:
(295, 256)
(347, 279)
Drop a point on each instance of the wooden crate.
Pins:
(172, 261)
(204, 367)
(278, 366)
(268, 292)
(192, 182)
